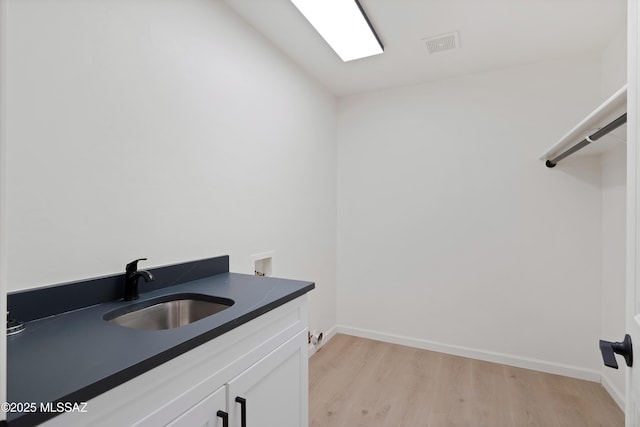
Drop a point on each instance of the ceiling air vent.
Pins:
(442, 42)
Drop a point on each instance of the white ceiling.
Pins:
(494, 34)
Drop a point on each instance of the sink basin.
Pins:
(168, 312)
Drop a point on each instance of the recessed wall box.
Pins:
(262, 264)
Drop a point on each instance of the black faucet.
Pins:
(131, 280)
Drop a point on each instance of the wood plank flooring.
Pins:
(359, 382)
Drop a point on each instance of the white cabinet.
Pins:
(264, 361)
(205, 413)
(274, 389)
(272, 392)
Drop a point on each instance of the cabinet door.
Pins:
(274, 391)
(205, 413)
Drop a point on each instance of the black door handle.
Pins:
(225, 418)
(243, 410)
(623, 348)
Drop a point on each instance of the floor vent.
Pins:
(442, 42)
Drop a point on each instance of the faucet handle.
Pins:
(133, 265)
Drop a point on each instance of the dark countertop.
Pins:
(77, 355)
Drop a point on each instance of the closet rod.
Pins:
(588, 140)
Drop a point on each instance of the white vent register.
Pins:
(442, 42)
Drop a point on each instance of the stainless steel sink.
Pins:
(168, 312)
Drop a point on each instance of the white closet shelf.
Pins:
(608, 111)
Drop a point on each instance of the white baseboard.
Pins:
(326, 336)
(489, 356)
(614, 392)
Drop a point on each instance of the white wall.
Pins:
(453, 236)
(169, 130)
(614, 76)
(614, 64)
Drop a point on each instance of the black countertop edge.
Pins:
(106, 384)
(47, 301)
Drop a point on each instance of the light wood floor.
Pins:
(359, 382)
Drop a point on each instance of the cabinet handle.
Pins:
(225, 418)
(243, 411)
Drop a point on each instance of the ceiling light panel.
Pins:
(343, 25)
